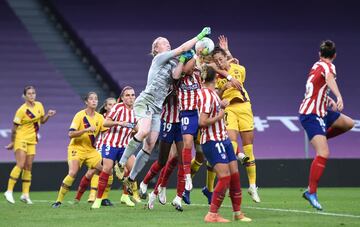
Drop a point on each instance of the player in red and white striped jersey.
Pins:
(218, 150)
(320, 123)
(189, 87)
(121, 122)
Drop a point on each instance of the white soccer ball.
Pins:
(204, 46)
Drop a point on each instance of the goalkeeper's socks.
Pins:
(103, 181)
(84, 183)
(141, 159)
(219, 193)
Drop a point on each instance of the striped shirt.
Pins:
(119, 136)
(209, 103)
(317, 91)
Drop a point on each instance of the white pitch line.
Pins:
(255, 208)
(291, 211)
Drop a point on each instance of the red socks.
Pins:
(84, 183)
(316, 170)
(169, 168)
(103, 181)
(219, 193)
(180, 187)
(153, 171)
(186, 157)
(235, 191)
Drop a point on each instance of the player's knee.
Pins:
(72, 173)
(350, 123)
(21, 165)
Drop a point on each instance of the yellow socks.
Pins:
(235, 146)
(93, 187)
(65, 187)
(210, 178)
(14, 176)
(195, 166)
(250, 166)
(108, 187)
(26, 182)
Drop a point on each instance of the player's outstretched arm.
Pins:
(190, 43)
(49, 114)
(330, 81)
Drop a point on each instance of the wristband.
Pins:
(229, 77)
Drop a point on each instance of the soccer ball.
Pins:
(204, 46)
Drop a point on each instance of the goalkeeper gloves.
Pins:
(206, 31)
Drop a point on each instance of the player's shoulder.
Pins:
(237, 67)
(98, 115)
(80, 114)
(23, 107)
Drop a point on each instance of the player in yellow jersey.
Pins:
(93, 179)
(85, 127)
(238, 115)
(24, 137)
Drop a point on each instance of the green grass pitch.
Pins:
(279, 207)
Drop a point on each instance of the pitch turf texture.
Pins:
(279, 207)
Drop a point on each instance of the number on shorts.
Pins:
(185, 121)
(167, 127)
(221, 148)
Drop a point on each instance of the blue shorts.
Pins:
(170, 132)
(189, 122)
(315, 125)
(218, 152)
(113, 153)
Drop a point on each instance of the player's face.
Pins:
(163, 45)
(129, 97)
(92, 101)
(220, 61)
(109, 104)
(30, 95)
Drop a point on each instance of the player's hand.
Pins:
(91, 129)
(186, 56)
(339, 103)
(332, 105)
(221, 114)
(227, 86)
(206, 31)
(235, 83)
(224, 103)
(10, 146)
(234, 60)
(223, 42)
(51, 113)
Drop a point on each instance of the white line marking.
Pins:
(291, 211)
(249, 207)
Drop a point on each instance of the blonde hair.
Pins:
(154, 45)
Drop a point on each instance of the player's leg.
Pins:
(197, 162)
(315, 128)
(247, 138)
(84, 184)
(109, 156)
(26, 177)
(145, 121)
(180, 187)
(338, 126)
(235, 187)
(216, 155)
(125, 198)
(74, 166)
(93, 187)
(210, 180)
(20, 157)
